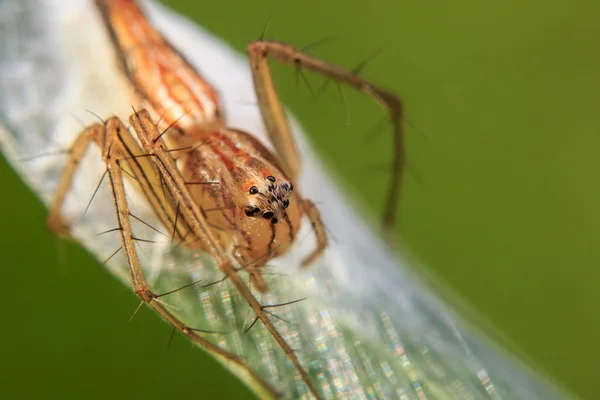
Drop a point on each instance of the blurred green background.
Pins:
(504, 210)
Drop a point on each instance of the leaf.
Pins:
(369, 327)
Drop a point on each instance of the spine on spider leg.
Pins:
(162, 80)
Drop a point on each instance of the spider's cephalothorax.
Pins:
(252, 203)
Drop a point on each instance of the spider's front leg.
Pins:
(278, 128)
(115, 143)
(190, 211)
(279, 132)
(119, 148)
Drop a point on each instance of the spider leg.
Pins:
(278, 128)
(112, 138)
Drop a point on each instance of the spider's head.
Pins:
(268, 198)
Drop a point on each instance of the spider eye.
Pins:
(286, 203)
(251, 211)
(268, 215)
(253, 190)
(271, 178)
(291, 187)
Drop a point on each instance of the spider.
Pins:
(219, 189)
